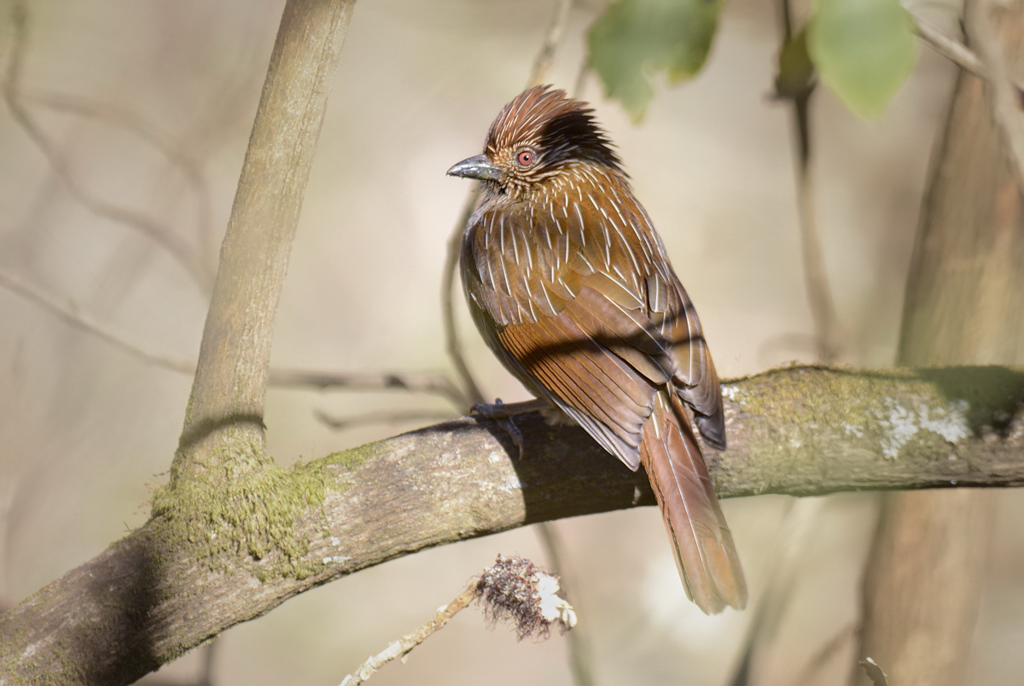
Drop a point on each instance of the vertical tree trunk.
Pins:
(102, 622)
(224, 415)
(964, 300)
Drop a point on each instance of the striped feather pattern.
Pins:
(704, 550)
(572, 288)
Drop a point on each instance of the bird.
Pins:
(571, 287)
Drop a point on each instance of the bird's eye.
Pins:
(524, 158)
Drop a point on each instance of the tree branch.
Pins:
(996, 28)
(953, 50)
(224, 413)
(799, 431)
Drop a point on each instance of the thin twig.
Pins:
(538, 72)
(819, 292)
(404, 645)
(131, 122)
(160, 234)
(546, 55)
(951, 49)
(389, 417)
(68, 312)
(417, 382)
(451, 333)
(512, 590)
(1006, 95)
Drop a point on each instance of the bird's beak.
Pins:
(478, 167)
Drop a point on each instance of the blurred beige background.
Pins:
(86, 431)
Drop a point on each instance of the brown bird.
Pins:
(571, 287)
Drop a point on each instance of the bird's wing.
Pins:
(696, 380)
(596, 322)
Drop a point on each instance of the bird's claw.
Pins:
(502, 414)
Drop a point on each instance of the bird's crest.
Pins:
(559, 128)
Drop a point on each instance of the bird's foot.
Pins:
(504, 413)
(500, 410)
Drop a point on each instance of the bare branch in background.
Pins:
(783, 565)
(387, 417)
(538, 73)
(992, 27)
(580, 654)
(953, 50)
(162, 235)
(70, 314)
(553, 36)
(821, 656)
(819, 292)
(451, 332)
(417, 382)
(434, 384)
(189, 168)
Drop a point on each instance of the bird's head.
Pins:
(540, 136)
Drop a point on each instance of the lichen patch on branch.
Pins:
(901, 425)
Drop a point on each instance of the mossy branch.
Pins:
(198, 566)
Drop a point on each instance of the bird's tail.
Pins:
(704, 551)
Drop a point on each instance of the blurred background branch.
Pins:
(965, 294)
(165, 236)
(819, 292)
(190, 169)
(436, 384)
(538, 74)
(951, 49)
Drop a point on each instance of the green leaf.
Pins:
(635, 39)
(864, 51)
